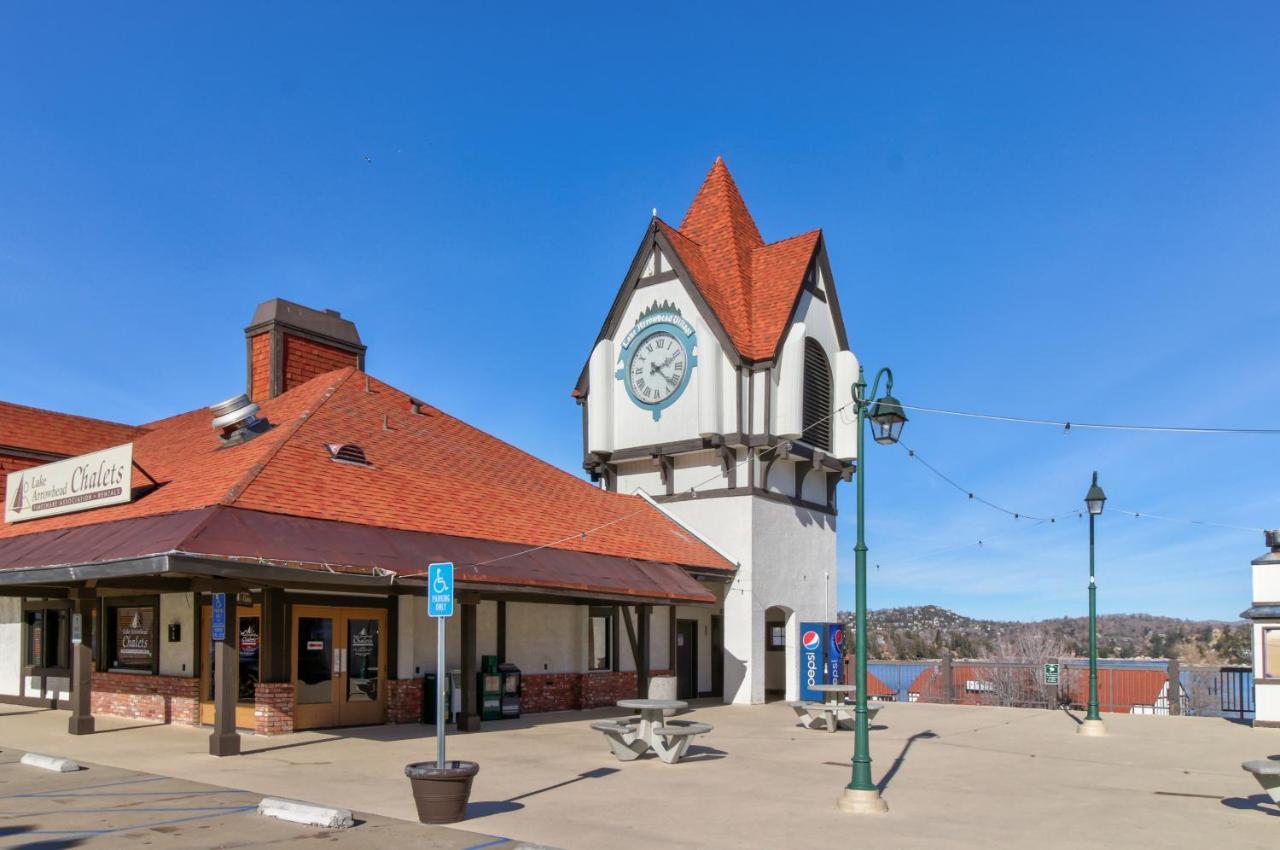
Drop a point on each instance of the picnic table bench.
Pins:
(630, 737)
(1267, 772)
(832, 711)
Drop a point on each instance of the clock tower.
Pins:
(720, 387)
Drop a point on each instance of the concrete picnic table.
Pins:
(631, 737)
(829, 710)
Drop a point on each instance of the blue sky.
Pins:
(1068, 213)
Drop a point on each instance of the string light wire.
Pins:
(1069, 426)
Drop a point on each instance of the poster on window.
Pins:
(135, 648)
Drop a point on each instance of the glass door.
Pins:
(339, 666)
(249, 641)
(315, 668)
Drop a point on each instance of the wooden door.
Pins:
(686, 659)
(339, 666)
(249, 640)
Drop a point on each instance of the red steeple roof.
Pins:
(750, 285)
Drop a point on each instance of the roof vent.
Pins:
(1273, 539)
(347, 453)
(237, 419)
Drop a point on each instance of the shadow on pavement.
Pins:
(1258, 802)
(902, 756)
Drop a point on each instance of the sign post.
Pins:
(1051, 674)
(440, 606)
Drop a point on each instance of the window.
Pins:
(131, 636)
(600, 639)
(47, 645)
(1271, 653)
(817, 396)
(777, 636)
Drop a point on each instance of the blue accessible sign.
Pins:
(219, 627)
(440, 590)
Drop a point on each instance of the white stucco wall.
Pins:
(547, 638)
(1266, 583)
(176, 659)
(10, 645)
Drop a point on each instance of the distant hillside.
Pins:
(925, 631)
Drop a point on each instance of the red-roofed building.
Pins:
(319, 508)
(720, 385)
(312, 505)
(1124, 690)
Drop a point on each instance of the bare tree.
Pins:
(1016, 679)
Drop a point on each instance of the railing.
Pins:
(1124, 686)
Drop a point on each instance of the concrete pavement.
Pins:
(954, 776)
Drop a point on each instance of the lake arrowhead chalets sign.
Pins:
(93, 480)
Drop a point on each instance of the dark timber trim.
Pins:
(655, 238)
(747, 491)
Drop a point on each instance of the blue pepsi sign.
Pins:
(821, 658)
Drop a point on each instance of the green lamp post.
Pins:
(862, 795)
(1092, 724)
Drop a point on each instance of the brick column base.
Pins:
(404, 700)
(273, 708)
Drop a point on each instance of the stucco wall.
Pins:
(10, 645)
(177, 659)
(1266, 583)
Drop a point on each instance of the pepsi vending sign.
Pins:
(821, 658)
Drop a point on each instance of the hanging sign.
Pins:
(92, 480)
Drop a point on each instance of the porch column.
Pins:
(83, 600)
(225, 740)
(642, 661)
(274, 665)
(468, 719)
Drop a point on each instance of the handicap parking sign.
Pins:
(440, 590)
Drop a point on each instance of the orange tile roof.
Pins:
(751, 286)
(49, 432)
(429, 472)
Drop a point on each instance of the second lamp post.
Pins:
(1092, 724)
(862, 795)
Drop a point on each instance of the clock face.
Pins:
(658, 368)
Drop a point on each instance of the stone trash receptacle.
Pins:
(441, 793)
(663, 687)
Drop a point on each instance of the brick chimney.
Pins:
(289, 344)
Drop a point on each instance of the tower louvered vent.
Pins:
(347, 453)
(817, 396)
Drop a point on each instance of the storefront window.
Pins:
(48, 636)
(132, 638)
(600, 639)
(362, 660)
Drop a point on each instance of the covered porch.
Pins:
(326, 640)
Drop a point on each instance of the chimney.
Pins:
(1272, 536)
(289, 344)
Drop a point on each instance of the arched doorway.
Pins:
(779, 633)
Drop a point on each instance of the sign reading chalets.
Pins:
(79, 483)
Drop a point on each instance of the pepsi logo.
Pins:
(837, 639)
(811, 640)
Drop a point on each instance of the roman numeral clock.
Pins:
(657, 358)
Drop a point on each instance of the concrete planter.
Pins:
(441, 793)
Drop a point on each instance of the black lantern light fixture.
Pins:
(887, 420)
